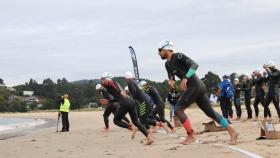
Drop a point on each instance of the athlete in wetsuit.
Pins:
(127, 105)
(237, 99)
(273, 86)
(159, 109)
(111, 107)
(193, 89)
(258, 81)
(144, 104)
(247, 88)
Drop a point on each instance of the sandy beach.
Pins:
(86, 139)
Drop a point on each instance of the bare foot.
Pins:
(188, 140)
(161, 125)
(173, 130)
(233, 138)
(149, 140)
(134, 130)
(105, 130)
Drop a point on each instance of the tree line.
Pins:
(82, 93)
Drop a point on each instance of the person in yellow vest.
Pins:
(64, 110)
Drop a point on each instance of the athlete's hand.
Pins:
(171, 83)
(123, 94)
(183, 84)
(104, 101)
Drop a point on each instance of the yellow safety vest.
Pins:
(65, 107)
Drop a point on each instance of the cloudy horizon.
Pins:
(82, 39)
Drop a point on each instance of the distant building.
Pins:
(28, 93)
(11, 89)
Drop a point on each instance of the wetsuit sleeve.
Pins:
(107, 96)
(192, 66)
(154, 93)
(171, 76)
(133, 90)
(275, 74)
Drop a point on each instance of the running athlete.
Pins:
(145, 105)
(193, 89)
(111, 107)
(273, 85)
(157, 100)
(127, 105)
(258, 81)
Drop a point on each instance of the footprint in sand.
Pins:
(60, 150)
(173, 148)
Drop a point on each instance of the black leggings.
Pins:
(144, 114)
(237, 104)
(260, 99)
(225, 104)
(159, 110)
(248, 105)
(274, 97)
(65, 121)
(111, 109)
(128, 105)
(196, 92)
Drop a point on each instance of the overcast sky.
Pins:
(82, 39)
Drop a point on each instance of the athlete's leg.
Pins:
(144, 115)
(120, 113)
(204, 104)
(264, 101)
(256, 103)
(276, 104)
(248, 106)
(237, 104)
(223, 107)
(186, 99)
(106, 115)
(230, 109)
(160, 111)
(267, 101)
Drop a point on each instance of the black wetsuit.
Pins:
(273, 90)
(237, 99)
(145, 106)
(127, 105)
(258, 82)
(159, 109)
(180, 65)
(111, 108)
(247, 88)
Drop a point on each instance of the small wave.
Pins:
(8, 124)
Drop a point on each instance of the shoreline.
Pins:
(22, 131)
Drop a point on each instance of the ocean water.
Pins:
(8, 124)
